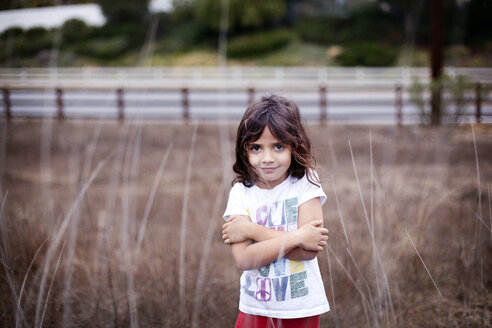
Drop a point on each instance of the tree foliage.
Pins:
(20, 4)
(478, 25)
(124, 11)
(242, 14)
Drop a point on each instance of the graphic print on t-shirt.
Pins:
(282, 279)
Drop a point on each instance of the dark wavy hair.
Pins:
(284, 121)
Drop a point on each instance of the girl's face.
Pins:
(270, 159)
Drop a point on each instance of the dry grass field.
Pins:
(107, 224)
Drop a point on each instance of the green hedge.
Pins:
(104, 49)
(133, 33)
(30, 47)
(76, 30)
(370, 24)
(251, 45)
(367, 54)
(317, 30)
(12, 32)
(35, 32)
(184, 37)
(34, 40)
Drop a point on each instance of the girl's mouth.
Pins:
(268, 169)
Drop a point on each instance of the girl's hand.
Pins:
(236, 228)
(312, 236)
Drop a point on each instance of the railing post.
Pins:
(186, 104)
(251, 96)
(323, 104)
(478, 102)
(6, 103)
(399, 104)
(59, 103)
(120, 103)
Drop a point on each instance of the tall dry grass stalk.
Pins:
(117, 225)
(184, 221)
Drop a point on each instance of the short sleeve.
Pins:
(308, 191)
(236, 202)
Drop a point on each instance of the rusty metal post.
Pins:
(478, 102)
(399, 104)
(251, 96)
(120, 103)
(59, 104)
(6, 103)
(323, 105)
(186, 104)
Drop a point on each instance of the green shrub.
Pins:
(244, 15)
(317, 30)
(12, 32)
(367, 54)
(35, 32)
(104, 49)
(258, 43)
(3, 52)
(75, 30)
(185, 36)
(370, 23)
(123, 11)
(30, 47)
(33, 41)
(133, 33)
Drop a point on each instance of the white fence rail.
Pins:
(227, 76)
(362, 95)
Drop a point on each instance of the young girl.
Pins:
(274, 220)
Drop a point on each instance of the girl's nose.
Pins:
(267, 157)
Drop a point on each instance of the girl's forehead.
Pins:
(267, 136)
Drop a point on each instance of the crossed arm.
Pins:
(299, 245)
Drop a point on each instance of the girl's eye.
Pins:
(279, 147)
(255, 148)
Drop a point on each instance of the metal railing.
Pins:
(154, 75)
(375, 96)
(330, 93)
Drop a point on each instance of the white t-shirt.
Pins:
(283, 288)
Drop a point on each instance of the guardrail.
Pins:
(326, 92)
(183, 75)
(323, 96)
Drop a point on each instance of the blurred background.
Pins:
(117, 130)
(208, 59)
(275, 33)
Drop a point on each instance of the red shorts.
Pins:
(256, 321)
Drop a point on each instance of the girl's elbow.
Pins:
(241, 257)
(243, 264)
(311, 255)
(302, 255)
